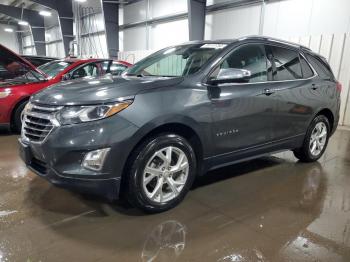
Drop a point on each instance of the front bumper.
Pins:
(59, 158)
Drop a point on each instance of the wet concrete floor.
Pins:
(269, 209)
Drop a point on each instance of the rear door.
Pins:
(291, 81)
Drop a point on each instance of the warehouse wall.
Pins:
(93, 40)
(28, 47)
(54, 43)
(155, 36)
(9, 39)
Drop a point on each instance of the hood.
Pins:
(99, 90)
(12, 65)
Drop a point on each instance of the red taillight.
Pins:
(339, 86)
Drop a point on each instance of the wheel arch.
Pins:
(178, 128)
(330, 116)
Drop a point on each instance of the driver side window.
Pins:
(250, 58)
(89, 70)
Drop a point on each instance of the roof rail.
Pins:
(267, 38)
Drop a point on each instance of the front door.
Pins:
(243, 111)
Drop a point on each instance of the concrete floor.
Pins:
(269, 209)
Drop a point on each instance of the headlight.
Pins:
(4, 93)
(79, 114)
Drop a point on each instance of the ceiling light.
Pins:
(80, 1)
(45, 13)
(10, 30)
(23, 23)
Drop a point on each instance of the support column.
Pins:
(196, 19)
(111, 19)
(36, 22)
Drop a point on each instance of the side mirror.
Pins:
(231, 75)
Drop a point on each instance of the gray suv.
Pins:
(179, 113)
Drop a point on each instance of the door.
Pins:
(293, 87)
(242, 110)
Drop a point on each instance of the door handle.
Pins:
(268, 91)
(314, 87)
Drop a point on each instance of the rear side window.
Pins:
(321, 68)
(284, 64)
(306, 69)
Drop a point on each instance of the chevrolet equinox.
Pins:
(179, 113)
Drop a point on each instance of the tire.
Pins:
(152, 192)
(17, 117)
(306, 152)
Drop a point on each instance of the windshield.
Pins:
(53, 68)
(13, 73)
(176, 61)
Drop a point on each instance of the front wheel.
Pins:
(18, 117)
(162, 172)
(316, 140)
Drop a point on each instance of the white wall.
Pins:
(28, 45)
(316, 17)
(54, 43)
(155, 36)
(159, 8)
(166, 34)
(135, 39)
(9, 39)
(233, 23)
(283, 19)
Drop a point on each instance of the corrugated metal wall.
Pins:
(54, 43)
(336, 49)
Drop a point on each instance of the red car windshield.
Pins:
(53, 68)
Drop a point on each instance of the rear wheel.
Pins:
(17, 117)
(162, 172)
(316, 140)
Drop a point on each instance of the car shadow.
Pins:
(50, 201)
(5, 131)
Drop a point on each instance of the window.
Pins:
(117, 69)
(89, 70)
(105, 66)
(306, 69)
(284, 64)
(248, 57)
(52, 69)
(180, 60)
(321, 68)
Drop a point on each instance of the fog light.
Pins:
(94, 160)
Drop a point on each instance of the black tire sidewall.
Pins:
(136, 176)
(17, 121)
(306, 146)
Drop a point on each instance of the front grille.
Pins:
(38, 121)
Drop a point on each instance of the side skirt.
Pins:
(245, 154)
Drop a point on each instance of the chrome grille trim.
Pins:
(38, 121)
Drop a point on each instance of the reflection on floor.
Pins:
(269, 209)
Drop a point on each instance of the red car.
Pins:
(26, 79)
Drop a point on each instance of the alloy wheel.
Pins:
(165, 174)
(318, 139)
